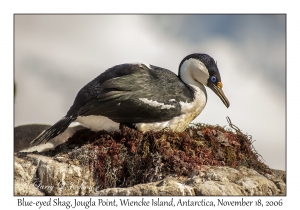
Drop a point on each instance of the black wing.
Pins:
(53, 131)
(118, 93)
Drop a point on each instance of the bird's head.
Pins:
(201, 68)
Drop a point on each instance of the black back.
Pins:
(116, 94)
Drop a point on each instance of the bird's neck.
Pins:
(186, 75)
(191, 110)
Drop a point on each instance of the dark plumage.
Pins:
(116, 92)
(143, 96)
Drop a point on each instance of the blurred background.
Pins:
(56, 55)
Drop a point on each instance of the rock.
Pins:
(24, 173)
(41, 175)
(54, 178)
(24, 134)
(170, 186)
(213, 181)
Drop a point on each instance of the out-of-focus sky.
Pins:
(56, 55)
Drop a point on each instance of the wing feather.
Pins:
(117, 94)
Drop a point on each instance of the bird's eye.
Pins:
(213, 79)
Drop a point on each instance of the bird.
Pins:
(143, 97)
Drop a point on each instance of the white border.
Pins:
(8, 8)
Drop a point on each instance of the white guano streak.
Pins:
(156, 104)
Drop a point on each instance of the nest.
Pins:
(130, 157)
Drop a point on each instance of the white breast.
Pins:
(189, 111)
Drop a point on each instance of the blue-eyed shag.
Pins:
(144, 97)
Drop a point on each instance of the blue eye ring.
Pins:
(213, 79)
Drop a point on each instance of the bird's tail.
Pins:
(53, 131)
